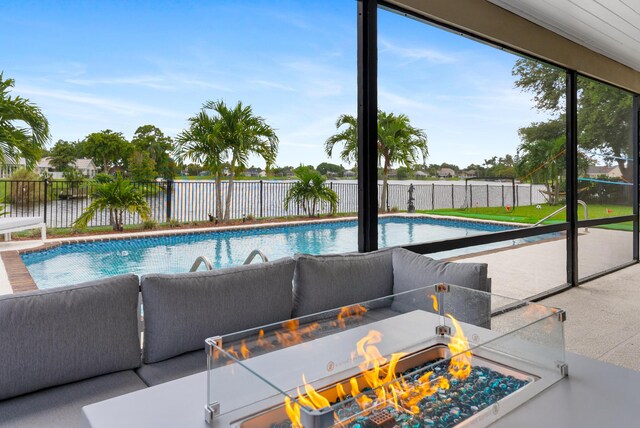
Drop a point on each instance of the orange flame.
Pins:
(293, 412)
(244, 350)
(435, 302)
(232, 351)
(262, 342)
(379, 374)
(295, 335)
(348, 312)
(460, 366)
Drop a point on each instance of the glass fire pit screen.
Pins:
(440, 356)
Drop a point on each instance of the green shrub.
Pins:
(149, 225)
(26, 186)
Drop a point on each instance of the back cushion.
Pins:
(331, 281)
(63, 335)
(411, 271)
(181, 311)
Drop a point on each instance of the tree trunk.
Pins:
(385, 179)
(227, 203)
(627, 172)
(218, 196)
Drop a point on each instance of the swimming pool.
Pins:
(78, 262)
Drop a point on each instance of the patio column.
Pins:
(367, 125)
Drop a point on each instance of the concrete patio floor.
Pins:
(603, 318)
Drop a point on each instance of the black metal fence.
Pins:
(62, 202)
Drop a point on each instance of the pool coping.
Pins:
(20, 279)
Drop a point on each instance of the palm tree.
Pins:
(202, 143)
(243, 134)
(226, 139)
(23, 128)
(398, 143)
(118, 196)
(309, 191)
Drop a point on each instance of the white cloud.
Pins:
(125, 108)
(273, 85)
(391, 101)
(154, 82)
(161, 82)
(415, 53)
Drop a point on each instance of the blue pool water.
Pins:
(75, 263)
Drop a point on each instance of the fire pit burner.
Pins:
(445, 408)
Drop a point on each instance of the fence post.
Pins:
(433, 196)
(261, 196)
(471, 196)
(46, 187)
(487, 196)
(502, 194)
(531, 194)
(452, 198)
(169, 197)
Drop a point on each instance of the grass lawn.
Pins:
(531, 215)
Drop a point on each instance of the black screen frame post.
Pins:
(572, 177)
(367, 125)
(635, 138)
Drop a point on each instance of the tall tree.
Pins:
(398, 143)
(243, 134)
(225, 140)
(63, 155)
(604, 112)
(141, 166)
(202, 143)
(24, 130)
(151, 139)
(108, 149)
(541, 156)
(325, 168)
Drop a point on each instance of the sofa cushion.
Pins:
(62, 335)
(331, 281)
(412, 271)
(61, 406)
(173, 368)
(181, 311)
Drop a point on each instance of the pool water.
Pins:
(74, 263)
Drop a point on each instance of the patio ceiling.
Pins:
(609, 27)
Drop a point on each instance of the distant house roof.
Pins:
(45, 163)
(598, 170)
(446, 172)
(421, 174)
(84, 163)
(349, 174)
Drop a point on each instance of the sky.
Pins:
(110, 64)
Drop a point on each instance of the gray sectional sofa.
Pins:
(65, 348)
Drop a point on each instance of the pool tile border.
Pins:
(19, 277)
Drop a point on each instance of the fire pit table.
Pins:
(440, 356)
(432, 357)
